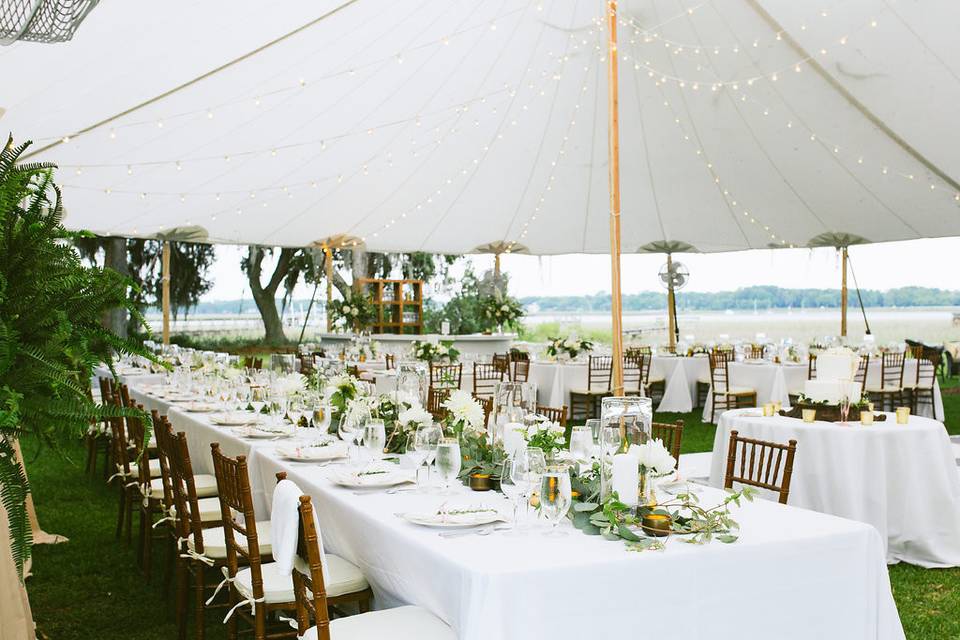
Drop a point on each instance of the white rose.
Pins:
(346, 308)
(504, 308)
(416, 415)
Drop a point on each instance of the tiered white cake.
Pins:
(836, 369)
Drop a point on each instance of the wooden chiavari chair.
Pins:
(757, 467)
(704, 383)
(252, 363)
(258, 585)
(812, 366)
(486, 377)
(390, 361)
(201, 540)
(127, 464)
(502, 362)
(755, 352)
(487, 403)
(599, 372)
(518, 355)
(520, 370)
(671, 435)
(446, 376)
(921, 388)
(639, 350)
(633, 375)
(98, 438)
(313, 602)
(890, 389)
(721, 390)
(435, 400)
(554, 414)
(863, 366)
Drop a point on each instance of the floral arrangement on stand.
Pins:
(439, 352)
(570, 346)
(500, 311)
(355, 312)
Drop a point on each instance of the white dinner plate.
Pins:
(372, 476)
(200, 407)
(449, 518)
(234, 419)
(262, 434)
(313, 452)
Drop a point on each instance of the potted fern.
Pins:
(51, 336)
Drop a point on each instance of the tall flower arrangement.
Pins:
(355, 312)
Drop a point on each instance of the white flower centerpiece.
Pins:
(567, 348)
(655, 461)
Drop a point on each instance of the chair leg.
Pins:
(363, 605)
(182, 599)
(147, 517)
(171, 565)
(199, 604)
(129, 515)
(120, 512)
(260, 622)
(232, 622)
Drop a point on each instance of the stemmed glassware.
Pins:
(581, 444)
(555, 497)
(448, 463)
(422, 449)
(258, 398)
(374, 438)
(514, 465)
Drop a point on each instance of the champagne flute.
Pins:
(448, 463)
(555, 497)
(258, 398)
(844, 408)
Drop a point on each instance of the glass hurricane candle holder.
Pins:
(513, 402)
(630, 418)
(903, 415)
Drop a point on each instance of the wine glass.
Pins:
(594, 425)
(320, 416)
(555, 497)
(448, 462)
(349, 429)
(374, 438)
(279, 403)
(513, 490)
(421, 446)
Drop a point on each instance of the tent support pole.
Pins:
(614, 150)
(843, 293)
(329, 266)
(166, 291)
(671, 307)
(496, 267)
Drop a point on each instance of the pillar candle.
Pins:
(513, 438)
(626, 478)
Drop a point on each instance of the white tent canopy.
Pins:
(444, 125)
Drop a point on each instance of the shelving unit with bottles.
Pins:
(399, 305)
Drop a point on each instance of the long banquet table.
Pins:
(901, 479)
(787, 561)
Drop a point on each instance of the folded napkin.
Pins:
(285, 527)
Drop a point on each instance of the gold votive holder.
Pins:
(656, 524)
(866, 418)
(903, 415)
(767, 409)
(777, 406)
(480, 482)
(809, 415)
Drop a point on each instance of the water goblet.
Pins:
(555, 497)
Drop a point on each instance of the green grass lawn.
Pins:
(90, 587)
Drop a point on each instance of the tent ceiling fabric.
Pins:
(443, 125)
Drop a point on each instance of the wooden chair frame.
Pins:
(520, 370)
(554, 414)
(720, 386)
(671, 435)
(760, 470)
(891, 381)
(446, 376)
(486, 377)
(599, 374)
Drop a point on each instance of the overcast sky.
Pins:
(928, 263)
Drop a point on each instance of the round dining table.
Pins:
(901, 478)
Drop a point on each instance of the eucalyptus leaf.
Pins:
(585, 506)
(627, 534)
(727, 538)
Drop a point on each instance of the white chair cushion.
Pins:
(215, 544)
(875, 389)
(209, 509)
(345, 578)
(206, 486)
(402, 623)
(656, 380)
(739, 390)
(154, 468)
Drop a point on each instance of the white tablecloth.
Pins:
(555, 380)
(902, 479)
(787, 560)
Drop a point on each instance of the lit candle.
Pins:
(903, 415)
(866, 418)
(626, 478)
(809, 415)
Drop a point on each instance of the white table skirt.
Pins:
(902, 479)
(555, 380)
(518, 588)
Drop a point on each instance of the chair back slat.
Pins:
(812, 366)
(189, 520)
(599, 373)
(633, 365)
(554, 414)
(435, 399)
(671, 435)
(446, 376)
(719, 372)
(863, 366)
(892, 372)
(486, 377)
(753, 472)
(502, 362)
(520, 370)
